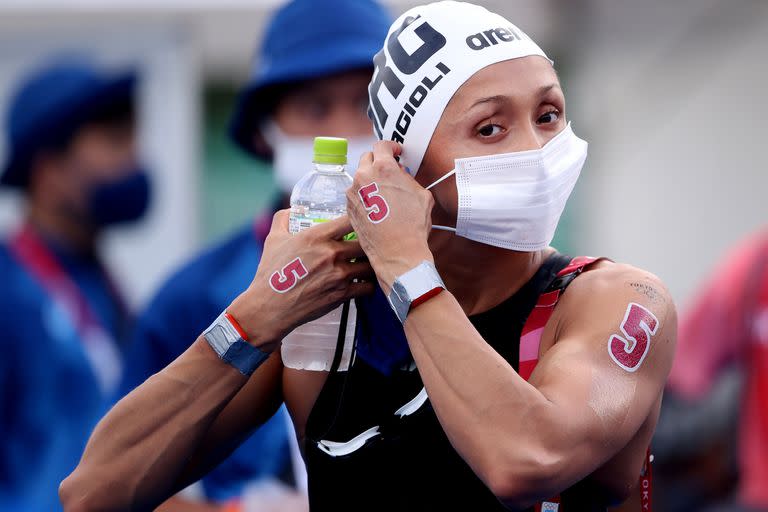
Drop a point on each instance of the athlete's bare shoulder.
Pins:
(619, 280)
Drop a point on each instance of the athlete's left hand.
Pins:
(391, 214)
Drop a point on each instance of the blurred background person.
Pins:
(708, 457)
(311, 78)
(72, 157)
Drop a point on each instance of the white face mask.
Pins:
(514, 200)
(293, 154)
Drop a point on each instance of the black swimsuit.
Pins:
(410, 464)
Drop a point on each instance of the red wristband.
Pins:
(236, 325)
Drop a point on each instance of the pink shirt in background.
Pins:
(728, 325)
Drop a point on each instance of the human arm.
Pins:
(580, 409)
(152, 347)
(194, 295)
(168, 431)
(531, 440)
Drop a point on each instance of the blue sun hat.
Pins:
(307, 39)
(50, 105)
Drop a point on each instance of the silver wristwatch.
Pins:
(225, 339)
(413, 288)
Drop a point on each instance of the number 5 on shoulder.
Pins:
(374, 203)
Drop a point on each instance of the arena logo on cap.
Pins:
(406, 63)
(492, 37)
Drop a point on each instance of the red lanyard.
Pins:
(529, 357)
(99, 346)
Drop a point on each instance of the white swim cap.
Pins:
(430, 51)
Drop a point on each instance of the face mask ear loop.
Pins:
(447, 175)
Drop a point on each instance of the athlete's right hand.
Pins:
(300, 277)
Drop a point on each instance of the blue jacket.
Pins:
(49, 396)
(184, 306)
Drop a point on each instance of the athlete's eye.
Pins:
(550, 117)
(489, 130)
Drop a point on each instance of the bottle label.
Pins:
(300, 222)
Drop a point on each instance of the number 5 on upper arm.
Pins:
(638, 326)
(374, 203)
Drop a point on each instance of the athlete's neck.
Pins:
(64, 230)
(481, 276)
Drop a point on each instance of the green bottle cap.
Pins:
(330, 150)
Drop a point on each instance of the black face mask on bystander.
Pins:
(121, 200)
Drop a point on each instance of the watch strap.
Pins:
(413, 288)
(424, 298)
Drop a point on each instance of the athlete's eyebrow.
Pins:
(544, 89)
(490, 99)
(500, 98)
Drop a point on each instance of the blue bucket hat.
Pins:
(307, 39)
(50, 105)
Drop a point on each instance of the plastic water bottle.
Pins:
(318, 197)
